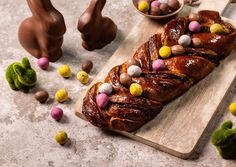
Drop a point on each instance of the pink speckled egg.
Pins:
(158, 65)
(43, 63)
(56, 113)
(102, 100)
(194, 26)
(155, 4)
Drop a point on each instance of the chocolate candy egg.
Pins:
(135, 89)
(43, 63)
(195, 17)
(164, 8)
(158, 65)
(56, 113)
(173, 4)
(197, 42)
(134, 71)
(194, 26)
(177, 50)
(83, 77)
(61, 137)
(87, 66)
(131, 62)
(125, 79)
(232, 108)
(105, 88)
(143, 6)
(165, 52)
(65, 71)
(102, 100)
(184, 40)
(41, 96)
(216, 29)
(155, 8)
(61, 95)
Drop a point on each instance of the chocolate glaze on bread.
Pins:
(96, 31)
(42, 33)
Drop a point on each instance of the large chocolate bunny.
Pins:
(96, 30)
(42, 33)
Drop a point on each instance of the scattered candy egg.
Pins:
(134, 71)
(125, 79)
(195, 17)
(165, 52)
(43, 63)
(164, 8)
(216, 29)
(194, 26)
(173, 4)
(163, 1)
(184, 40)
(105, 88)
(155, 8)
(61, 137)
(158, 65)
(143, 6)
(87, 66)
(232, 108)
(131, 62)
(102, 100)
(177, 50)
(61, 95)
(56, 113)
(83, 77)
(65, 71)
(41, 96)
(197, 42)
(135, 89)
(155, 3)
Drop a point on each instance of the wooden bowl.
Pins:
(135, 3)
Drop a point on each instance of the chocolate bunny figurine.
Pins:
(42, 33)
(96, 30)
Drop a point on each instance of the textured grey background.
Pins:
(26, 130)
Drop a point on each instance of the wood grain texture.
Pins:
(178, 129)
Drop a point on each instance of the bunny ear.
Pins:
(25, 62)
(19, 70)
(227, 125)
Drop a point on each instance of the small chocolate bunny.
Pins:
(42, 33)
(96, 30)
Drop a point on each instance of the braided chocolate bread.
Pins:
(157, 74)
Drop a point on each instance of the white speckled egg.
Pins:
(163, 1)
(105, 88)
(134, 71)
(184, 40)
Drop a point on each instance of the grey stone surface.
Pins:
(26, 129)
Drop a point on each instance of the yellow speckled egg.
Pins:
(232, 108)
(165, 52)
(61, 137)
(136, 89)
(143, 6)
(216, 29)
(61, 95)
(64, 71)
(83, 77)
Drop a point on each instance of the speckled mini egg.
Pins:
(143, 6)
(194, 26)
(177, 50)
(184, 40)
(134, 71)
(155, 8)
(197, 42)
(61, 95)
(165, 52)
(83, 77)
(195, 17)
(102, 100)
(105, 88)
(64, 71)
(135, 89)
(173, 4)
(56, 113)
(61, 137)
(125, 79)
(164, 8)
(43, 63)
(216, 28)
(158, 65)
(131, 62)
(232, 108)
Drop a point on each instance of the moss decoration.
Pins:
(20, 75)
(225, 140)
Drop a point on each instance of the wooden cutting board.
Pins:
(178, 129)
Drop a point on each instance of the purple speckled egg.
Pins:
(102, 100)
(56, 113)
(43, 63)
(194, 26)
(158, 65)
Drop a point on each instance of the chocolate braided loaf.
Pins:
(126, 112)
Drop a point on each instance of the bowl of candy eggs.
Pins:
(158, 9)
